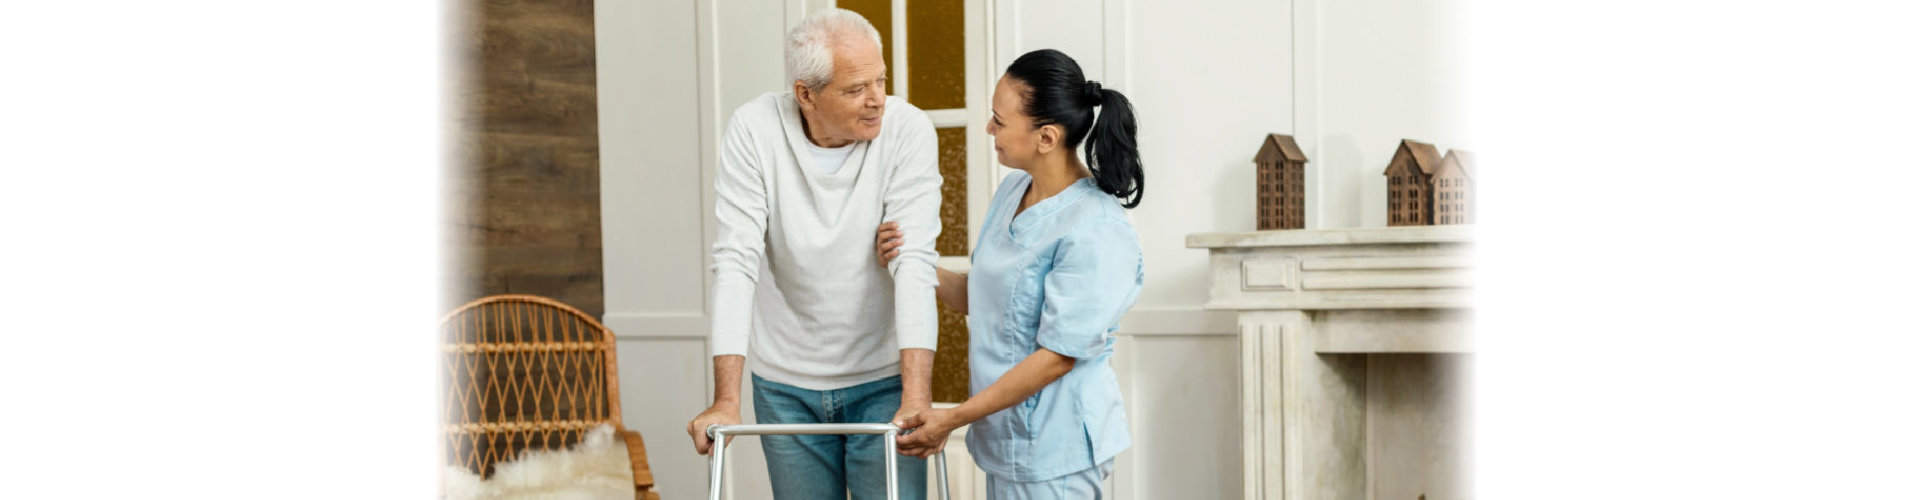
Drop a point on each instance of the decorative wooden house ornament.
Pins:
(1453, 189)
(1281, 169)
(1410, 184)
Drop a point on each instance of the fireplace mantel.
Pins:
(1315, 309)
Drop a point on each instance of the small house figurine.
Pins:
(1453, 189)
(1281, 169)
(1410, 184)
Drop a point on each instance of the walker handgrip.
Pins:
(718, 433)
(799, 429)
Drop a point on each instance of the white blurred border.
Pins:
(219, 249)
(1698, 249)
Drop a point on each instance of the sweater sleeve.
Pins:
(741, 209)
(913, 200)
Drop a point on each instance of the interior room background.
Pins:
(586, 139)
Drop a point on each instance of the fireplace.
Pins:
(1355, 359)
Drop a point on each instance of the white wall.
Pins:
(1388, 70)
(1208, 80)
(1221, 81)
(651, 222)
(1207, 85)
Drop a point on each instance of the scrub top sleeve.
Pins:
(1095, 277)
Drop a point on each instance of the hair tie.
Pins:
(1092, 93)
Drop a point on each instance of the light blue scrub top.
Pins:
(1056, 277)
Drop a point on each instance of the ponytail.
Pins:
(1061, 94)
(1112, 150)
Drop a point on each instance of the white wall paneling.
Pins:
(1385, 70)
(1208, 80)
(983, 171)
(1220, 81)
(1183, 404)
(642, 135)
(649, 62)
(1305, 68)
(650, 368)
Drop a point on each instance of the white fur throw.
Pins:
(596, 468)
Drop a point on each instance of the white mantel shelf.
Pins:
(1322, 237)
(1314, 308)
(1415, 267)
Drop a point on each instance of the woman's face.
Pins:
(1016, 142)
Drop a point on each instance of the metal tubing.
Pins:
(790, 429)
(942, 458)
(719, 433)
(718, 454)
(893, 466)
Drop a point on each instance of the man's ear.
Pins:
(803, 94)
(1050, 135)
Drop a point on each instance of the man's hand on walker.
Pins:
(718, 414)
(908, 410)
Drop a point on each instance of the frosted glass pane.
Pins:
(950, 361)
(953, 192)
(936, 54)
(880, 13)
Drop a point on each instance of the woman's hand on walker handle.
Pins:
(930, 429)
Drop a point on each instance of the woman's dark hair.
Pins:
(1060, 93)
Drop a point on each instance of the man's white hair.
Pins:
(810, 45)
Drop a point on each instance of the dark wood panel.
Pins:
(524, 208)
(534, 106)
(557, 49)
(547, 163)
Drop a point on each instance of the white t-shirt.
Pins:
(829, 160)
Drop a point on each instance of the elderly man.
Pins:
(804, 178)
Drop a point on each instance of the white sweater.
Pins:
(793, 265)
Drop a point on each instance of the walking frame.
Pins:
(718, 434)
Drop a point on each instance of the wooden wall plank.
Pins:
(523, 213)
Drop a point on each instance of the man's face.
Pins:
(848, 108)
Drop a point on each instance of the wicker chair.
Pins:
(521, 371)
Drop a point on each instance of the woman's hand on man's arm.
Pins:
(952, 288)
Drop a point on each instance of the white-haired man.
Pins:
(804, 178)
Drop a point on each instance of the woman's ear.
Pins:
(1050, 135)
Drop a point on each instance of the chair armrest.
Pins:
(637, 453)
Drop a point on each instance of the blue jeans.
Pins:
(831, 466)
